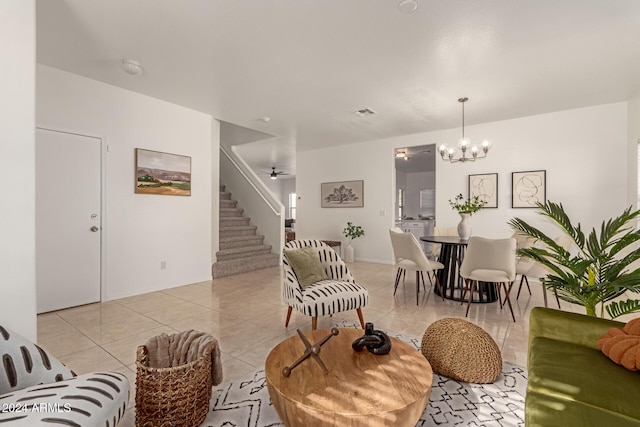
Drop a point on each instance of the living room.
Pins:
(587, 145)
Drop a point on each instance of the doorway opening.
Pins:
(415, 208)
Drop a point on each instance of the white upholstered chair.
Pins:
(338, 292)
(441, 231)
(489, 260)
(410, 257)
(40, 390)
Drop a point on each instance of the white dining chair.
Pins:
(409, 256)
(523, 265)
(441, 231)
(489, 260)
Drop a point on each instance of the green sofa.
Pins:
(571, 383)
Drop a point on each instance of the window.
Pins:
(400, 202)
(292, 205)
(428, 203)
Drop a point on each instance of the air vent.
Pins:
(365, 112)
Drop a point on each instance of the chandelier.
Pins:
(464, 144)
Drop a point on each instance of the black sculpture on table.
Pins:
(377, 342)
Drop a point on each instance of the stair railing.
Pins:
(253, 180)
(271, 226)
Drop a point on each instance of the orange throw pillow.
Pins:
(632, 327)
(622, 346)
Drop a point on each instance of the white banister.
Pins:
(245, 170)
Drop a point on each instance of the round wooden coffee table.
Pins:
(361, 389)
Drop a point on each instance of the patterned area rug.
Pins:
(245, 402)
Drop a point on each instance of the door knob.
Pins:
(94, 229)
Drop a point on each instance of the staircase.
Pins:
(241, 248)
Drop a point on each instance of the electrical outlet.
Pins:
(163, 265)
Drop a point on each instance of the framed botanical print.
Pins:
(342, 194)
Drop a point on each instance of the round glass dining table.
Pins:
(451, 256)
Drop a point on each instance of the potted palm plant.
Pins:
(600, 271)
(351, 232)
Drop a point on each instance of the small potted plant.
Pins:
(351, 232)
(466, 208)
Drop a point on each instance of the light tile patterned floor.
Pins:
(246, 315)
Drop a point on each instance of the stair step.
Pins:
(242, 252)
(244, 265)
(225, 195)
(240, 230)
(239, 241)
(228, 203)
(231, 221)
(231, 212)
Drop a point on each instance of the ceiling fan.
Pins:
(274, 174)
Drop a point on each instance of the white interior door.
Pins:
(68, 223)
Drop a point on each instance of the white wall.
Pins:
(584, 152)
(141, 230)
(17, 163)
(215, 189)
(372, 162)
(634, 141)
(274, 185)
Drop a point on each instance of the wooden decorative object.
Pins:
(360, 389)
(310, 351)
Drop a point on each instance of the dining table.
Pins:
(451, 256)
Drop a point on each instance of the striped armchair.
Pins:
(36, 389)
(326, 297)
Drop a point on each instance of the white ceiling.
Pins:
(308, 65)
(419, 159)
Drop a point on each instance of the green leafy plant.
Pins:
(468, 206)
(352, 231)
(599, 272)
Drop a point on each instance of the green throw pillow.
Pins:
(306, 265)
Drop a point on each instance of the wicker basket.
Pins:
(172, 396)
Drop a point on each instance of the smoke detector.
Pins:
(131, 67)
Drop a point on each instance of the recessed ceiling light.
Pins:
(265, 119)
(131, 67)
(407, 6)
(364, 112)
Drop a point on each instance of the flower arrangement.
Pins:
(468, 206)
(352, 231)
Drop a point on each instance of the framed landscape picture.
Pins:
(342, 194)
(485, 186)
(528, 188)
(162, 173)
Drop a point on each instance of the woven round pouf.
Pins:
(461, 350)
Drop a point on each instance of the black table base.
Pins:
(451, 256)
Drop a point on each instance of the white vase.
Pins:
(464, 227)
(348, 252)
